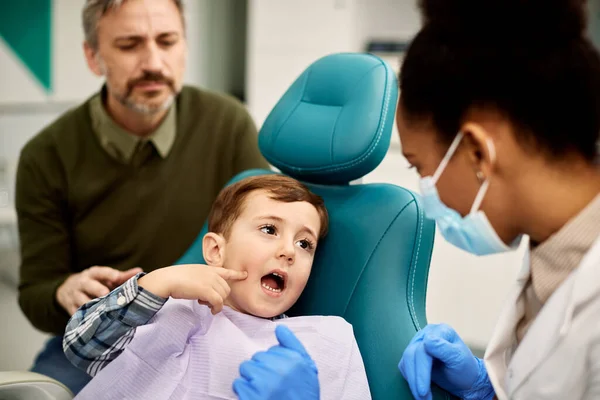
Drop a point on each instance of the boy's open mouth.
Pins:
(274, 283)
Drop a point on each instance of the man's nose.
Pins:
(152, 58)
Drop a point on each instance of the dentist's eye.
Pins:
(306, 244)
(268, 229)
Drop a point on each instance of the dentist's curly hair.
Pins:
(529, 60)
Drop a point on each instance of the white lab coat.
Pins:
(559, 357)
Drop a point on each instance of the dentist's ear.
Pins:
(481, 148)
(213, 249)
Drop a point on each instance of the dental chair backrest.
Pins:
(331, 127)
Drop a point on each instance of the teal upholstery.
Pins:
(331, 127)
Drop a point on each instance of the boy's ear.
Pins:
(213, 249)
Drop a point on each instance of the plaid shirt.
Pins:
(101, 329)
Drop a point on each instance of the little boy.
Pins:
(263, 233)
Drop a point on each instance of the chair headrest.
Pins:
(333, 125)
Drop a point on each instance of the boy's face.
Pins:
(275, 243)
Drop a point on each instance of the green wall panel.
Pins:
(26, 26)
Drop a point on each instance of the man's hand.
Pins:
(89, 284)
(199, 282)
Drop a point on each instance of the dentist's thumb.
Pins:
(287, 339)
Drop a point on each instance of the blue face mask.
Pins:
(472, 233)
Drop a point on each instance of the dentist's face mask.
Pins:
(473, 233)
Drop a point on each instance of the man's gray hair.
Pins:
(93, 10)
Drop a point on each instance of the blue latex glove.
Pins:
(284, 372)
(438, 354)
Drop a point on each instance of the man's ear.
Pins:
(92, 59)
(213, 249)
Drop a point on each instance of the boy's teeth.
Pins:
(270, 288)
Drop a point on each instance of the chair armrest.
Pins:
(21, 385)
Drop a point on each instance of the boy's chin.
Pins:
(269, 314)
(269, 311)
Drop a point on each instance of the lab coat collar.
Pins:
(554, 320)
(525, 271)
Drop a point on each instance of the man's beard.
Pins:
(148, 76)
(142, 108)
(127, 99)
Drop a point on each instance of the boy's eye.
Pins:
(268, 229)
(306, 244)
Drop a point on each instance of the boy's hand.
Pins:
(199, 282)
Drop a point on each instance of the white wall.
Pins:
(386, 19)
(464, 291)
(594, 21)
(284, 37)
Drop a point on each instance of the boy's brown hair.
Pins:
(230, 202)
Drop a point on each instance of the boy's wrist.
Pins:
(156, 282)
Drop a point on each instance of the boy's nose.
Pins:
(288, 252)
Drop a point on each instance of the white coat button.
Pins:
(510, 373)
(121, 300)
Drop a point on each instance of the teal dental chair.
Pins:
(332, 127)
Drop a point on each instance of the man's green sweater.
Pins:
(79, 207)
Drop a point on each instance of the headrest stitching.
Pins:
(413, 267)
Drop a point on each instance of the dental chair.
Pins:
(332, 127)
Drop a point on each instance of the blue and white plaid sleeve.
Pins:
(101, 329)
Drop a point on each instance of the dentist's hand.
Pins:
(89, 284)
(204, 283)
(437, 354)
(284, 372)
